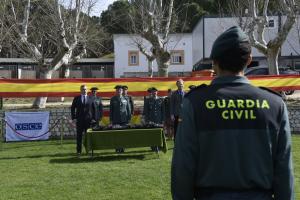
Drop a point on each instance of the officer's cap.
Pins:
(192, 87)
(153, 89)
(125, 87)
(94, 89)
(231, 38)
(118, 87)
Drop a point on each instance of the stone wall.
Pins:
(60, 121)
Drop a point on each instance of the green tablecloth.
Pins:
(127, 138)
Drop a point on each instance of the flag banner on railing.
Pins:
(21, 126)
(137, 86)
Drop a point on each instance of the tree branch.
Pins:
(288, 24)
(62, 32)
(170, 12)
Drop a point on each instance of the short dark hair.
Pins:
(236, 58)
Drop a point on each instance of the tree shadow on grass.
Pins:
(106, 157)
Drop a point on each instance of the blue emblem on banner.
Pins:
(28, 126)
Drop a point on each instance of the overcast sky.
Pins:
(101, 6)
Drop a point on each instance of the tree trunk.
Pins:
(65, 73)
(150, 68)
(40, 102)
(272, 58)
(163, 62)
(163, 69)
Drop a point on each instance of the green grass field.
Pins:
(49, 170)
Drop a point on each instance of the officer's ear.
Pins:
(249, 59)
(215, 66)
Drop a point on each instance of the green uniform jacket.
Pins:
(99, 108)
(130, 100)
(119, 110)
(232, 136)
(154, 110)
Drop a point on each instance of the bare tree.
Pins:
(257, 21)
(49, 30)
(152, 20)
(146, 51)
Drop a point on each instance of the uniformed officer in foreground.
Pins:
(99, 106)
(234, 139)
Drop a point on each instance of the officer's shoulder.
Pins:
(270, 91)
(196, 89)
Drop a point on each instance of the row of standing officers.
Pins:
(87, 110)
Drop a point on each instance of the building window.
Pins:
(271, 23)
(133, 58)
(177, 57)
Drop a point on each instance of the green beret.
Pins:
(229, 39)
(125, 87)
(118, 87)
(94, 88)
(153, 89)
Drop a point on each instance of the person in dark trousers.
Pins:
(129, 98)
(145, 105)
(83, 114)
(153, 109)
(99, 106)
(119, 111)
(234, 139)
(176, 104)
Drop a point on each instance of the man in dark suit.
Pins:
(83, 114)
(176, 104)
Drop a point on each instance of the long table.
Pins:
(126, 138)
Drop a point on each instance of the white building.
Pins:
(189, 48)
(130, 62)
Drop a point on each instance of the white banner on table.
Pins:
(22, 126)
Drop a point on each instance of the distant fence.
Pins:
(65, 126)
(137, 86)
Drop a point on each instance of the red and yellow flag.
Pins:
(137, 86)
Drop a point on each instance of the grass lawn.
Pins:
(48, 170)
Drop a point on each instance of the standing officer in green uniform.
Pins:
(99, 106)
(234, 139)
(119, 111)
(153, 109)
(146, 100)
(129, 98)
